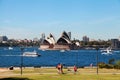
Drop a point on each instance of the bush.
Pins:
(117, 64)
(109, 66)
(103, 65)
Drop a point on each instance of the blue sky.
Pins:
(21, 19)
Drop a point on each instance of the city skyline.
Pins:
(22, 19)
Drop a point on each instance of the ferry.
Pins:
(31, 54)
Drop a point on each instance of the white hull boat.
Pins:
(31, 54)
(107, 51)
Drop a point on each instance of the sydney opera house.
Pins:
(63, 43)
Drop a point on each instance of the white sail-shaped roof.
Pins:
(64, 39)
(51, 39)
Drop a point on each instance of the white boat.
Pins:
(107, 51)
(10, 48)
(62, 50)
(31, 54)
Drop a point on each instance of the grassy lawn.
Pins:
(51, 74)
(73, 77)
(64, 77)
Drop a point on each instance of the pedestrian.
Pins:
(91, 65)
(75, 68)
(59, 68)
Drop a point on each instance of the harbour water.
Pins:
(12, 57)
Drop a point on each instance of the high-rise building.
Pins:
(69, 34)
(3, 38)
(42, 37)
(115, 43)
(85, 39)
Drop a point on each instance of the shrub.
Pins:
(103, 65)
(117, 64)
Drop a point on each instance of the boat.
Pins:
(10, 48)
(107, 51)
(31, 54)
(62, 50)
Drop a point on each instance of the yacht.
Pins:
(31, 54)
(107, 51)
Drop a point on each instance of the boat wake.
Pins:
(10, 55)
(107, 51)
(104, 53)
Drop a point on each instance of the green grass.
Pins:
(66, 77)
(78, 77)
(51, 74)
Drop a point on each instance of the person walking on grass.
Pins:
(75, 68)
(60, 68)
(91, 65)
